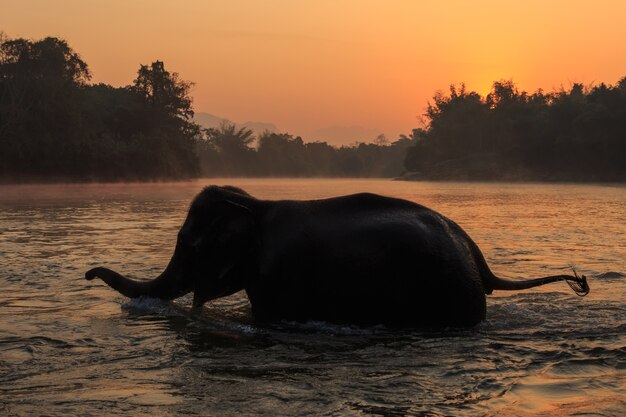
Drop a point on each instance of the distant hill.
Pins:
(208, 120)
(336, 135)
(346, 135)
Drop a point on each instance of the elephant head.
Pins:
(215, 251)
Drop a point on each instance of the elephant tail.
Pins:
(577, 283)
(492, 282)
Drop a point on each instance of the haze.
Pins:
(335, 68)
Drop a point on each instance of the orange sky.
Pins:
(310, 65)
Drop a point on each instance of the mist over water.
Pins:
(72, 347)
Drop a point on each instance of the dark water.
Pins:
(72, 347)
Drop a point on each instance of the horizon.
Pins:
(336, 69)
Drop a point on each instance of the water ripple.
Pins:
(71, 347)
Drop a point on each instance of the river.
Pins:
(72, 347)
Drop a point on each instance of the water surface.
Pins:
(72, 347)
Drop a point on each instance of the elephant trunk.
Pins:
(167, 286)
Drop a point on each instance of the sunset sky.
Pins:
(313, 65)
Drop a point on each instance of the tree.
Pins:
(164, 91)
(50, 59)
(456, 125)
(281, 154)
(54, 123)
(234, 146)
(570, 134)
(40, 85)
(322, 158)
(163, 121)
(381, 140)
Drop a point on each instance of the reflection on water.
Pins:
(72, 347)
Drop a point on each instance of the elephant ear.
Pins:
(233, 225)
(220, 226)
(232, 242)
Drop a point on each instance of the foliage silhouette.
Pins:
(229, 151)
(55, 125)
(576, 134)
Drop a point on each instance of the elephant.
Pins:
(363, 259)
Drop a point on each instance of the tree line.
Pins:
(232, 151)
(571, 134)
(56, 125)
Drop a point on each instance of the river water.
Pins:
(72, 347)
